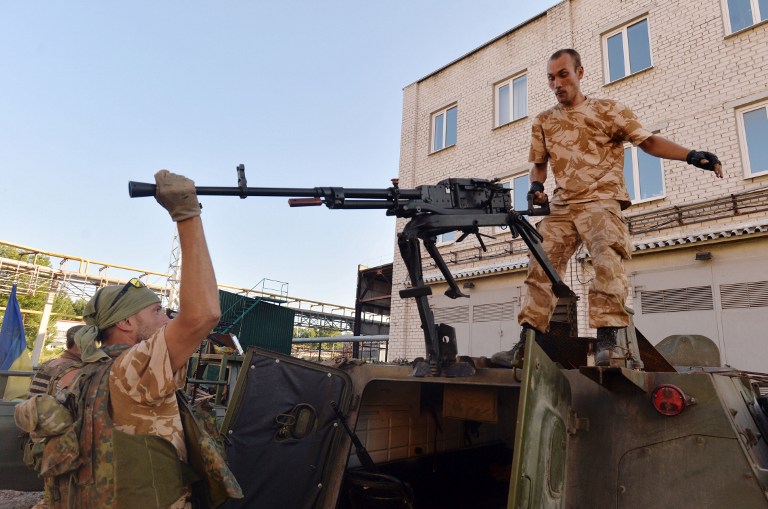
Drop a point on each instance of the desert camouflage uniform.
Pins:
(110, 439)
(142, 389)
(585, 149)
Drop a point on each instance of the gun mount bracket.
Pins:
(415, 292)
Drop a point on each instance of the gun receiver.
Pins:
(457, 204)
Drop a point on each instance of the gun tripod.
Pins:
(440, 339)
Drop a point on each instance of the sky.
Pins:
(96, 94)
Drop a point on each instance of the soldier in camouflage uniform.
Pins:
(136, 445)
(55, 374)
(582, 140)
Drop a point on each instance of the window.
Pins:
(627, 50)
(643, 175)
(753, 122)
(518, 186)
(511, 100)
(445, 237)
(519, 190)
(745, 13)
(444, 128)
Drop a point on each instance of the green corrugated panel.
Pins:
(266, 325)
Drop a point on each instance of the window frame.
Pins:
(433, 131)
(510, 179)
(755, 6)
(440, 240)
(742, 136)
(636, 176)
(625, 49)
(497, 102)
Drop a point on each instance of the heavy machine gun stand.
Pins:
(464, 205)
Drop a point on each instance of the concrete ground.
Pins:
(10, 499)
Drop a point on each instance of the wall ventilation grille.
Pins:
(456, 314)
(493, 312)
(674, 300)
(752, 294)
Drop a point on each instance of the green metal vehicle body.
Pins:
(537, 437)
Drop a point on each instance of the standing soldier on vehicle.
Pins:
(582, 139)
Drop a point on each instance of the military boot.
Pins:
(513, 358)
(609, 352)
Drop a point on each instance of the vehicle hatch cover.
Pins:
(283, 430)
(541, 438)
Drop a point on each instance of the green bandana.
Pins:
(102, 312)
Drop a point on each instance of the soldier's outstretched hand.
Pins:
(706, 161)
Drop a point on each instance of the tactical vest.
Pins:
(117, 470)
(47, 377)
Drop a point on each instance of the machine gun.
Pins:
(456, 204)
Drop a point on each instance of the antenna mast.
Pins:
(174, 272)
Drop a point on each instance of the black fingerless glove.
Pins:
(536, 187)
(696, 156)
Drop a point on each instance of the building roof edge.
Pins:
(501, 36)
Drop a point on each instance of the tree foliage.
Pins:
(319, 332)
(315, 332)
(33, 298)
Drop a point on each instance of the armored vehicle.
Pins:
(554, 434)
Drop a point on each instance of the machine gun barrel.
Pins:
(330, 195)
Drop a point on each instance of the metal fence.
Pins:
(370, 348)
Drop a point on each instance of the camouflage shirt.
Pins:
(585, 148)
(46, 378)
(142, 389)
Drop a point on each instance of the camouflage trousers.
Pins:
(599, 225)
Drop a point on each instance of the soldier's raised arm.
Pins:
(198, 293)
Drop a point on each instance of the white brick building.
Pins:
(695, 72)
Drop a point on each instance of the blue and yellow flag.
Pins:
(13, 350)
